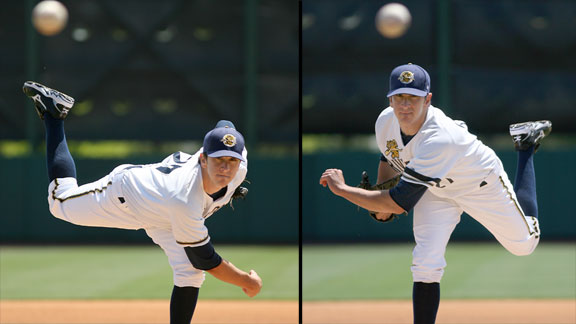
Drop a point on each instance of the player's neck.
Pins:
(411, 129)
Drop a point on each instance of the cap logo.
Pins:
(228, 140)
(406, 77)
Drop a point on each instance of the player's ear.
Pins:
(203, 160)
(429, 98)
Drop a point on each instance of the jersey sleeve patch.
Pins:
(406, 194)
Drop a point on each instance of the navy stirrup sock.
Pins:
(58, 158)
(525, 183)
(182, 304)
(425, 302)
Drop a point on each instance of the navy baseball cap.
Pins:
(224, 123)
(224, 140)
(410, 79)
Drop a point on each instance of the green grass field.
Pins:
(330, 272)
(134, 272)
(475, 270)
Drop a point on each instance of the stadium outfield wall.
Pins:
(328, 218)
(268, 214)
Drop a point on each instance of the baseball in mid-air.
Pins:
(49, 17)
(393, 20)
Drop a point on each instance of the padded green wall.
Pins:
(328, 218)
(268, 214)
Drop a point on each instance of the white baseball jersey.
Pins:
(170, 194)
(166, 199)
(462, 175)
(443, 155)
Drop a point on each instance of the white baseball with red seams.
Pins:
(49, 17)
(393, 20)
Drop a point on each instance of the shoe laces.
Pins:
(59, 95)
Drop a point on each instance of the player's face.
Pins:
(219, 170)
(410, 111)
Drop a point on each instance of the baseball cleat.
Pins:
(529, 133)
(48, 100)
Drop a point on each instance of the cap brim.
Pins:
(226, 153)
(410, 91)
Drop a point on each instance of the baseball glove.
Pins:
(386, 185)
(240, 192)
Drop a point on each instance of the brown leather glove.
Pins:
(386, 185)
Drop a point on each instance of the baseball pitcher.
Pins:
(170, 200)
(443, 170)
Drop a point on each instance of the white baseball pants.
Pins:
(97, 204)
(493, 205)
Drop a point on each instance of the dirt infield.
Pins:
(286, 312)
(450, 312)
(145, 312)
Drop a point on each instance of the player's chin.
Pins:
(223, 180)
(405, 116)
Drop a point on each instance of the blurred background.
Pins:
(151, 78)
(492, 63)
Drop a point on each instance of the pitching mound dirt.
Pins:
(145, 312)
(450, 312)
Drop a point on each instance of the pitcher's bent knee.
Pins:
(523, 248)
(529, 244)
(57, 193)
(421, 274)
(193, 278)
